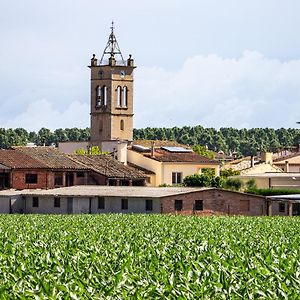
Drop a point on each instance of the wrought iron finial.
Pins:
(112, 26)
(112, 47)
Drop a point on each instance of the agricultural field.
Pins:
(149, 257)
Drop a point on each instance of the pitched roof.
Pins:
(185, 157)
(19, 160)
(158, 143)
(282, 159)
(50, 158)
(107, 166)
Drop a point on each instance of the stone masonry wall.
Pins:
(217, 202)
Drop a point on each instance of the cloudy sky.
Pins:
(216, 63)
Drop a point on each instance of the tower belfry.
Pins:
(112, 47)
(111, 95)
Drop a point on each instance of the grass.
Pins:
(148, 257)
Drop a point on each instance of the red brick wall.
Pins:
(217, 202)
(45, 179)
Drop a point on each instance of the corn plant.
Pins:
(148, 257)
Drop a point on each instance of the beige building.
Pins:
(273, 180)
(170, 164)
(289, 163)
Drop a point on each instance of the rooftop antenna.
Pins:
(112, 47)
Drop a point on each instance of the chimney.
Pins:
(286, 166)
(122, 152)
(267, 157)
(252, 161)
(152, 149)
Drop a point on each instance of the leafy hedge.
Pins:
(272, 192)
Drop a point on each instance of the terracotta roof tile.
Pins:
(192, 157)
(158, 143)
(19, 160)
(51, 158)
(108, 166)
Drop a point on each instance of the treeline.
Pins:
(20, 136)
(229, 140)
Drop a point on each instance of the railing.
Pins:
(105, 62)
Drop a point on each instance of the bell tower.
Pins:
(111, 95)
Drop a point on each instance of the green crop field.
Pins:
(149, 257)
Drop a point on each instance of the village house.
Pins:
(288, 163)
(46, 168)
(169, 161)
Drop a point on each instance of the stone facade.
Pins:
(217, 202)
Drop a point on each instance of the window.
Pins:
(125, 96)
(58, 179)
(119, 96)
(176, 177)
(124, 204)
(122, 125)
(31, 178)
(56, 202)
(178, 205)
(35, 201)
(198, 204)
(99, 96)
(104, 94)
(101, 203)
(149, 204)
(281, 207)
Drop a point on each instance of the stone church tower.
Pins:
(111, 96)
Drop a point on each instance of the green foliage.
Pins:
(148, 257)
(229, 172)
(251, 185)
(94, 150)
(273, 192)
(234, 184)
(203, 151)
(243, 141)
(203, 180)
(165, 185)
(209, 171)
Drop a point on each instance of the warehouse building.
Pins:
(130, 199)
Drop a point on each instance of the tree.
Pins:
(201, 150)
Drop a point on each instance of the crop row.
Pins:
(148, 257)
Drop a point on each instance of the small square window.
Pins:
(176, 177)
(56, 201)
(31, 178)
(80, 174)
(198, 204)
(58, 179)
(101, 203)
(149, 204)
(178, 205)
(124, 204)
(281, 207)
(35, 201)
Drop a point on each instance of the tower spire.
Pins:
(112, 47)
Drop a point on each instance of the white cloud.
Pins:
(251, 91)
(41, 113)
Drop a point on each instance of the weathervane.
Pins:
(112, 47)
